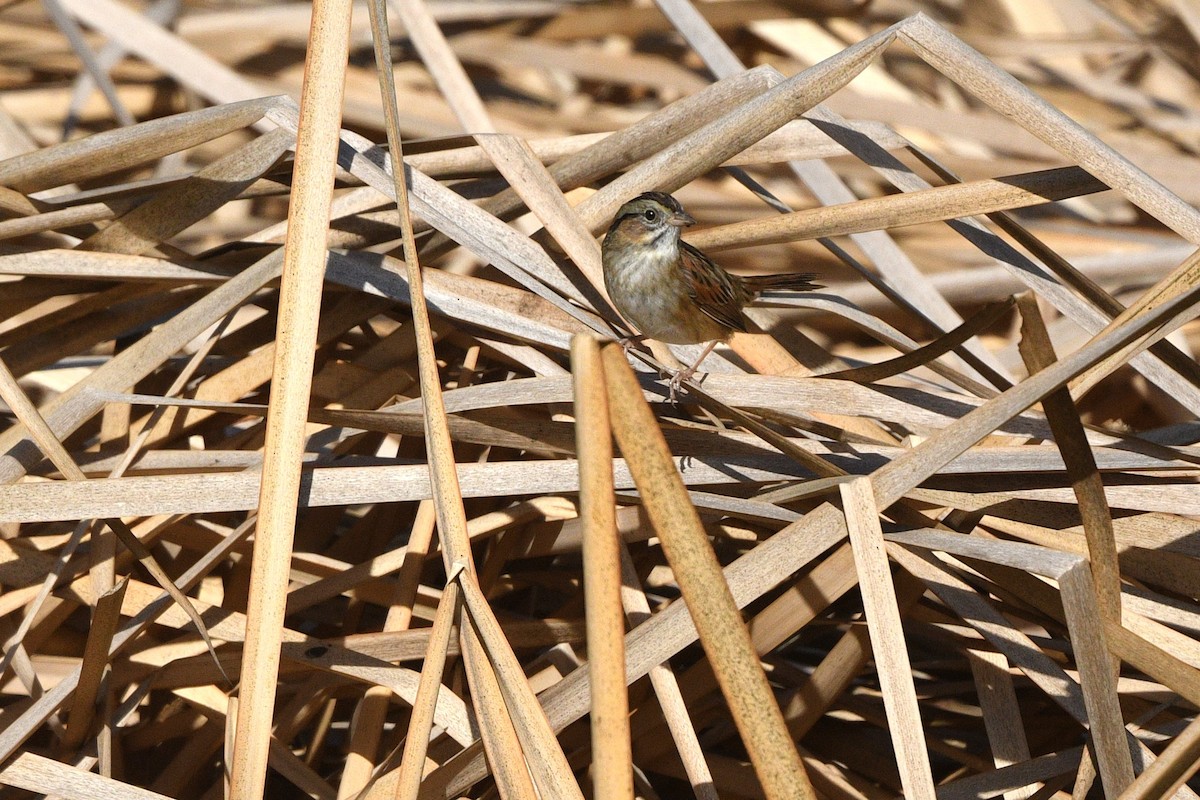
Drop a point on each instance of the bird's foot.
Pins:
(675, 385)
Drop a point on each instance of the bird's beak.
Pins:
(681, 219)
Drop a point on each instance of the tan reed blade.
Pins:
(299, 308)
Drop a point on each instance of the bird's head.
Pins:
(653, 218)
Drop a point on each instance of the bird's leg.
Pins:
(685, 374)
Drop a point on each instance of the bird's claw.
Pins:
(675, 385)
(673, 388)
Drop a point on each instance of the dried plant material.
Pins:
(1165, 776)
(910, 208)
(613, 764)
(712, 607)
(1003, 604)
(887, 639)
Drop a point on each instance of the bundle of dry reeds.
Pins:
(321, 478)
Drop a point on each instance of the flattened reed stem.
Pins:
(702, 583)
(612, 760)
(296, 333)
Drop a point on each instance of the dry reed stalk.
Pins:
(887, 638)
(612, 762)
(699, 574)
(299, 309)
(666, 688)
(910, 208)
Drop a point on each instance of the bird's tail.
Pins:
(790, 281)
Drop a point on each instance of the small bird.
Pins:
(670, 290)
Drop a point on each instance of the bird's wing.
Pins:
(712, 288)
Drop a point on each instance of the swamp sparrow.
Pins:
(670, 290)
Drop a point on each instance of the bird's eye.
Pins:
(650, 214)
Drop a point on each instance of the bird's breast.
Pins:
(649, 290)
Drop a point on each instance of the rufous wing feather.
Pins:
(713, 290)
